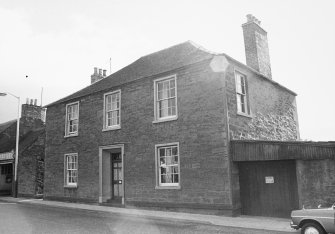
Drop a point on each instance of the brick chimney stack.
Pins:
(31, 110)
(98, 75)
(256, 46)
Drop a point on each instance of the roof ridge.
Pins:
(170, 58)
(9, 123)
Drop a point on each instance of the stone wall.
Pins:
(316, 182)
(272, 108)
(272, 126)
(31, 167)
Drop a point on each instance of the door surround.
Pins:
(101, 149)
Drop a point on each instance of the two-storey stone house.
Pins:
(157, 132)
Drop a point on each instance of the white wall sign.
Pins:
(269, 180)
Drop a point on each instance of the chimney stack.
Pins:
(30, 110)
(98, 75)
(256, 46)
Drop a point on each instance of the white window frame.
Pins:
(243, 96)
(67, 169)
(67, 122)
(112, 127)
(158, 119)
(160, 185)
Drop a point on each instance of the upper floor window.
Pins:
(72, 119)
(241, 93)
(168, 164)
(166, 98)
(112, 114)
(71, 170)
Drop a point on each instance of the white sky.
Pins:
(57, 44)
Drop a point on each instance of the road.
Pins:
(24, 218)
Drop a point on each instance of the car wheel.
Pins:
(312, 228)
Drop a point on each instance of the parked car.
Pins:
(314, 221)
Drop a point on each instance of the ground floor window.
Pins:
(6, 169)
(71, 170)
(168, 169)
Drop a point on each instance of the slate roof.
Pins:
(4, 126)
(8, 138)
(169, 59)
(7, 143)
(159, 62)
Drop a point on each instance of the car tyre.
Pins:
(312, 228)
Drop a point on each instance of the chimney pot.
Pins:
(31, 101)
(100, 71)
(35, 102)
(104, 73)
(27, 100)
(95, 70)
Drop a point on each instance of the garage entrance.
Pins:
(268, 188)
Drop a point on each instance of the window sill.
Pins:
(244, 114)
(72, 135)
(168, 187)
(165, 120)
(111, 128)
(71, 186)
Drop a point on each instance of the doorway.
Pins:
(111, 183)
(6, 178)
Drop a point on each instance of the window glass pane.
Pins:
(168, 151)
(163, 180)
(243, 89)
(243, 107)
(163, 170)
(168, 160)
(238, 97)
(174, 150)
(168, 178)
(162, 152)
(160, 95)
(176, 178)
(75, 111)
(172, 83)
(175, 170)
(160, 86)
(163, 108)
(175, 160)
(172, 92)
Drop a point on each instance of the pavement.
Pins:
(250, 222)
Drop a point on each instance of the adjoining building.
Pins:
(158, 132)
(31, 152)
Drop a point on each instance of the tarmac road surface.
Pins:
(22, 218)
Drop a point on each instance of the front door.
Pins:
(111, 178)
(117, 180)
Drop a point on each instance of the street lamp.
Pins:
(17, 141)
